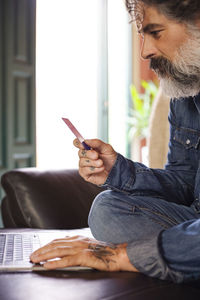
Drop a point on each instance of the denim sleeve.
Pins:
(175, 183)
(146, 256)
(186, 261)
(135, 178)
(160, 257)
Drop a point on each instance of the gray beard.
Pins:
(175, 89)
(182, 77)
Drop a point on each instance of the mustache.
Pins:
(165, 68)
(162, 66)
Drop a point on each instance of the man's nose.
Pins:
(148, 49)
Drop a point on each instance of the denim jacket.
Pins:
(179, 182)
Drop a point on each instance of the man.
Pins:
(149, 219)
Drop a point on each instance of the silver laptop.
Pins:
(17, 246)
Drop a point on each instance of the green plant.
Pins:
(139, 113)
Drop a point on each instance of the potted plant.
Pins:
(139, 114)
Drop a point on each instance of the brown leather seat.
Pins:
(46, 199)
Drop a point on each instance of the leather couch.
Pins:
(61, 199)
(57, 199)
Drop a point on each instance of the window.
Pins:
(82, 55)
(119, 73)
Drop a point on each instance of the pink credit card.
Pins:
(76, 133)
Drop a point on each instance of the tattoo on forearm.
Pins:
(101, 252)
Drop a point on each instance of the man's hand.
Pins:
(95, 164)
(86, 252)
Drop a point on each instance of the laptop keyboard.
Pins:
(16, 248)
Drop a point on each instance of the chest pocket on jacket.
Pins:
(189, 138)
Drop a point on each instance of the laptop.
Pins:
(16, 247)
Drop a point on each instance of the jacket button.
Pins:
(188, 142)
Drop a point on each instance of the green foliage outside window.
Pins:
(139, 113)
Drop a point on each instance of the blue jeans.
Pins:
(148, 224)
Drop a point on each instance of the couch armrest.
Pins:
(46, 199)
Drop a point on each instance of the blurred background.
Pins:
(74, 59)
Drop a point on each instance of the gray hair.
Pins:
(180, 10)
